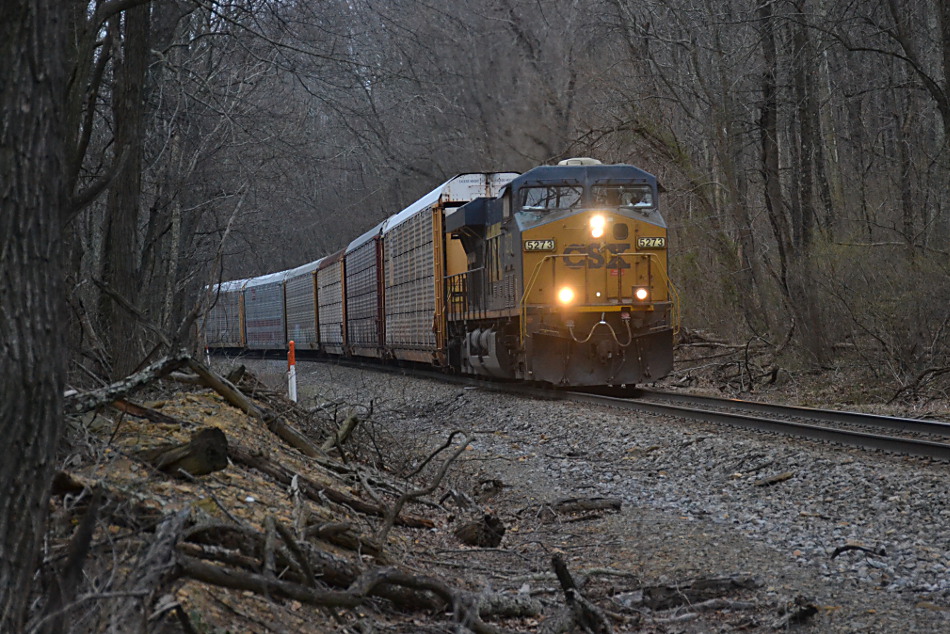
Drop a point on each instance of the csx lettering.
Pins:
(593, 256)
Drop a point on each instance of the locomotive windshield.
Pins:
(551, 197)
(623, 196)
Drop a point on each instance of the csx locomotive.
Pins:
(556, 275)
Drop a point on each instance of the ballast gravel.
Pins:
(864, 536)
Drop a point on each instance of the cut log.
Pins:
(485, 532)
(206, 452)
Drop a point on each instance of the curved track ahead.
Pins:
(868, 431)
(903, 435)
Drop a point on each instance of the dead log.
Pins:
(371, 583)
(664, 597)
(140, 411)
(235, 397)
(187, 379)
(206, 452)
(345, 535)
(507, 606)
(81, 402)
(484, 532)
(243, 548)
(317, 492)
(292, 437)
(226, 389)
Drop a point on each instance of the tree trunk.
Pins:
(32, 371)
(120, 257)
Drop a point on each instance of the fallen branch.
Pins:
(579, 505)
(344, 432)
(581, 612)
(664, 597)
(393, 513)
(226, 389)
(236, 397)
(140, 411)
(317, 492)
(345, 535)
(81, 402)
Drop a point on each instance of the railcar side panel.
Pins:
(331, 308)
(300, 293)
(264, 316)
(363, 300)
(410, 288)
(223, 326)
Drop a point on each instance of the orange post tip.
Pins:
(291, 355)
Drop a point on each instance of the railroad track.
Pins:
(909, 436)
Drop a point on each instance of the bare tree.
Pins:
(33, 161)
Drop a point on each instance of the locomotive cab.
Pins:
(566, 279)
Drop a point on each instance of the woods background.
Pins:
(803, 146)
(151, 149)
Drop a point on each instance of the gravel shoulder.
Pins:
(694, 505)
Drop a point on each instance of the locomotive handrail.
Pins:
(523, 308)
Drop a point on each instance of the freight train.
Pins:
(557, 275)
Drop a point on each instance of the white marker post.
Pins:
(292, 373)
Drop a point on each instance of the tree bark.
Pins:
(32, 371)
(119, 269)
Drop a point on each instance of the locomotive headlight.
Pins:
(597, 225)
(565, 295)
(642, 293)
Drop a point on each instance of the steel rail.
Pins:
(909, 446)
(915, 425)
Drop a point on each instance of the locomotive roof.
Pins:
(586, 174)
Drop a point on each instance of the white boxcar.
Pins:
(300, 301)
(224, 325)
(331, 309)
(414, 266)
(264, 320)
(364, 323)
